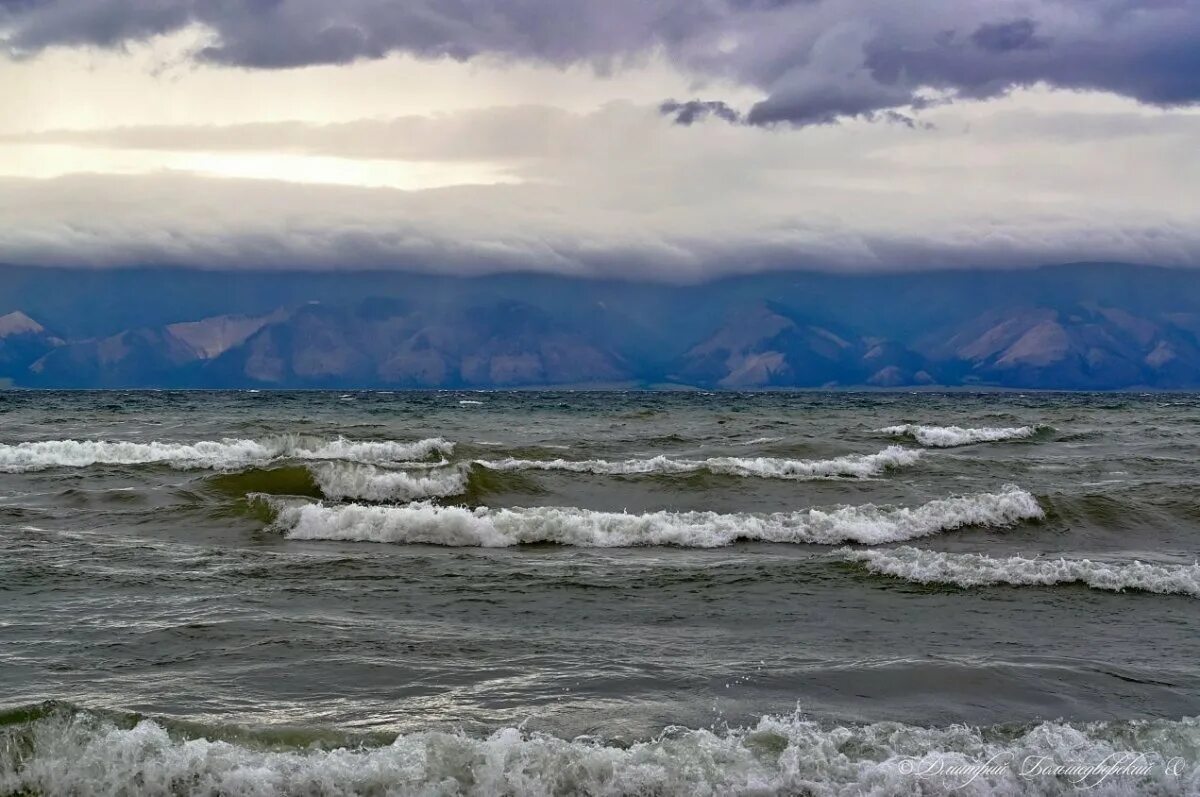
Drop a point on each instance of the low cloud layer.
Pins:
(814, 61)
(196, 221)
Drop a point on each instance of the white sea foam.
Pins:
(369, 483)
(459, 526)
(776, 756)
(376, 452)
(84, 453)
(950, 436)
(975, 570)
(853, 465)
(225, 454)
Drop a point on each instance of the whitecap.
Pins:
(224, 454)
(950, 436)
(976, 570)
(774, 756)
(852, 466)
(367, 482)
(369, 451)
(484, 527)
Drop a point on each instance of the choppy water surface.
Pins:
(612, 593)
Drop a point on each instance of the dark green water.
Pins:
(319, 593)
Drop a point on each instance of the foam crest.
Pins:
(376, 452)
(370, 483)
(852, 466)
(227, 454)
(950, 436)
(460, 526)
(976, 570)
(776, 756)
(24, 457)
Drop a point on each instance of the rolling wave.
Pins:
(977, 570)
(292, 480)
(340, 481)
(853, 466)
(459, 526)
(369, 483)
(79, 752)
(951, 436)
(227, 454)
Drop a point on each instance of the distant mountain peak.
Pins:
(17, 323)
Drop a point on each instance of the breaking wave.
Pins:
(854, 465)
(950, 436)
(225, 454)
(378, 452)
(78, 752)
(976, 570)
(460, 526)
(369, 483)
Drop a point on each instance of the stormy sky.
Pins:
(646, 138)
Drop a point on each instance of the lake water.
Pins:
(602, 593)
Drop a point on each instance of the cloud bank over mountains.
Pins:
(658, 139)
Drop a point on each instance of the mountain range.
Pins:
(1091, 326)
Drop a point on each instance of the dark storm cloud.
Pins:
(288, 33)
(814, 61)
(37, 24)
(1003, 37)
(687, 113)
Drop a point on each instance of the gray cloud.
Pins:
(815, 62)
(1003, 37)
(192, 221)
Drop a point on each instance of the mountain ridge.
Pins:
(1098, 327)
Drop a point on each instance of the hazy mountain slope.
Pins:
(212, 337)
(1094, 326)
(766, 346)
(1079, 347)
(505, 344)
(137, 358)
(23, 341)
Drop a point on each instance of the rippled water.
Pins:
(596, 592)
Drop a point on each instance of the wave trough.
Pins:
(977, 570)
(227, 454)
(859, 466)
(951, 436)
(496, 528)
